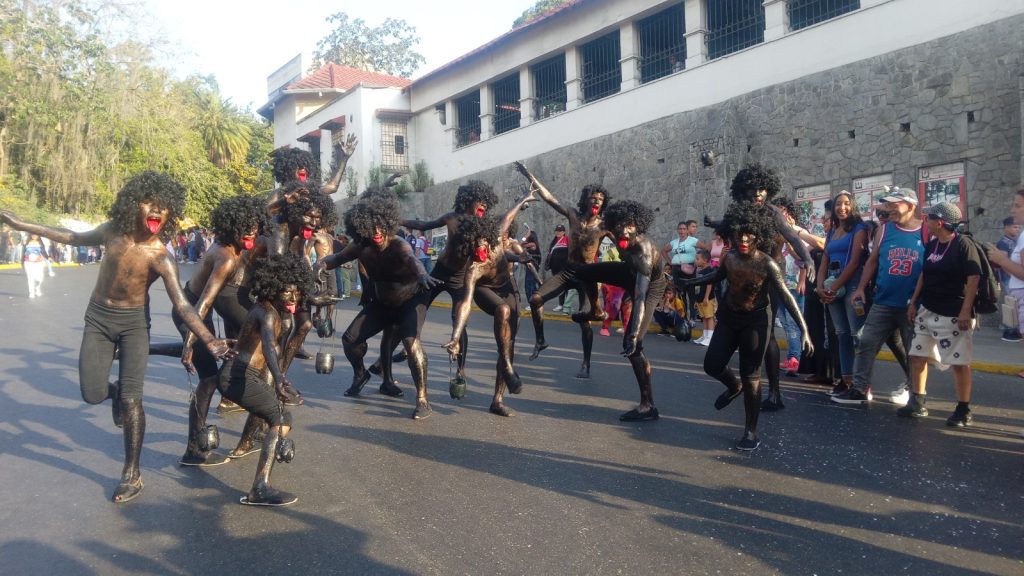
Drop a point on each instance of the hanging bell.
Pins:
(324, 362)
(457, 387)
(209, 438)
(285, 450)
(683, 330)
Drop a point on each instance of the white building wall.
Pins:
(879, 27)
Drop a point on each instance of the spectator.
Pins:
(419, 248)
(1011, 230)
(34, 264)
(558, 257)
(5, 240)
(706, 304)
(531, 244)
(841, 268)
(669, 311)
(681, 253)
(794, 274)
(893, 266)
(942, 310)
(1011, 264)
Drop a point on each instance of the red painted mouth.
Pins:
(743, 248)
(153, 224)
(291, 308)
(301, 174)
(623, 243)
(480, 212)
(307, 233)
(248, 243)
(594, 210)
(481, 254)
(378, 238)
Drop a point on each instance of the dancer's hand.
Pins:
(281, 389)
(186, 360)
(320, 271)
(427, 282)
(629, 346)
(346, 150)
(806, 345)
(222, 348)
(7, 217)
(453, 349)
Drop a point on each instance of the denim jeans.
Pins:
(848, 326)
(881, 321)
(792, 328)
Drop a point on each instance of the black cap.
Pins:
(1008, 221)
(560, 227)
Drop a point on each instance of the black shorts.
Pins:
(249, 388)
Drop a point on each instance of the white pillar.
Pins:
(486, 112)
(696, 15)
(776, 19)
(526, 100)
(573, 82)
(630, 60)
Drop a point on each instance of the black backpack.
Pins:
(987, 300)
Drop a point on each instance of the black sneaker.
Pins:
(853, 397)
(840, 387)
(915, 408)
(748, 443)
(1011, 336)
(960, 418)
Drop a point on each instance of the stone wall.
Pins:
(828, 127)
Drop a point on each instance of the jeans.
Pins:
(666, 319)
(881, 321)
(848, 326)
(792, 328)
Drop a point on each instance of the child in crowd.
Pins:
(670, 311)
(707, 305)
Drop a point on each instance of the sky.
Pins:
(241, 42)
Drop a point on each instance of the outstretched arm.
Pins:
(506, 221)
(167, 268)
(798, 246)
(536, 186)
(779, 286)
(223, 269)
(706, 279)
(425, 225)
(93, 237)
(271, 350)
(344, 151)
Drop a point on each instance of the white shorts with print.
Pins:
(939, 339)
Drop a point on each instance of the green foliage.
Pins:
(351, 182)
(537, 10)
(378, 176)
(388, 48)
(420, 177)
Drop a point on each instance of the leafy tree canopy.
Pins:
(537, 10)
(388, 48)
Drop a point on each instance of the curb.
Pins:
(18, 266)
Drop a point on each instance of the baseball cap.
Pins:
(560, 227)
(1009, 221)
(897, 194)
(946, 211)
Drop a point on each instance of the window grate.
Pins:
(506, 103)
(734, 25)
(662, 43)
(803, 13)
(548, 87)
(601, 70)
(394, 156)
(467, 112)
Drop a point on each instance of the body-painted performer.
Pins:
(397, 288)
(585, 234)
(489, 283)
(744, 311)
(640, 273)
(236, 222)
(757, 185)
(118, 312)
(279, 285)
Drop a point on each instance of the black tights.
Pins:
(747, 332)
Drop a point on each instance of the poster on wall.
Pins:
(810, 203)
(868, 192)
(943, 183)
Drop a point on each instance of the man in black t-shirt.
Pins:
(942, 312)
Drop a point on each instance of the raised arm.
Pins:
(271, 350)
(778, 283)
(506, 221)
(797, 245)
(93, 237)
(536, 186)
(425, 225)
(344, 151)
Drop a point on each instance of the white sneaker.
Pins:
(526, 308)
(900, 396)
(31, 294)
(618, 330)
(706, 342)
(698, 340)
(52, 274)
(556, 309)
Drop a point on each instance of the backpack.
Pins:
(987, 300)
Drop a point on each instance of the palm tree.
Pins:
(225, 133)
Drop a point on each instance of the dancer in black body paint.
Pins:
(744, 311)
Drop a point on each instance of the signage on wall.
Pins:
(868, 192)
(810, 204)
(943, 183)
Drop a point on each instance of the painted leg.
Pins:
(355, 352)
(771, 366)
(504, 337)
(587, 336)
(418, 367)
(262, 493)
(389, 386)
(537, 315)
(646, 410)
(134, 431)
(733, 388)
(253, 433)
(198, 408)
(752, 407)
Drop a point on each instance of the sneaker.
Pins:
(1011, 336)
(853, 397)
(791, 366)
(698, 340)
(556, 309)
(705, 342)
(960, 418)
(618, 330)
(900, 395)
(605, 332)
(748, 443)
(839, 388)
(915, 407)
(526, 308)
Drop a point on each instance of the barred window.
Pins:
(734, 25)
(803, 13)
(506, 103)
(548, 87)
(662, 43)
(602, 72)
(467, 112)
(394, 156)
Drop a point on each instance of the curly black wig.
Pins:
(286, 161)
(235, 217)
(375, 208)
(628, 212)
(275, 272)
(474, 191)
(754, 177)
(294, 212)
(787, 205)
(158, 188)
(328, 214)
(470, 231)
(583, 206)
(750, 218)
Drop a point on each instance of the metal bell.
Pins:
(209, 438)
(285, 450)
(324, 362)
(457, 387)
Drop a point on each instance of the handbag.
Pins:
(1009, 310)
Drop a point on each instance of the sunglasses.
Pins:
(934, 217)
(881, 213)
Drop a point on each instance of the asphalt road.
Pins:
(561, 488)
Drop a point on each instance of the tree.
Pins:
(537, 10)
(387, 48)
(225, 132)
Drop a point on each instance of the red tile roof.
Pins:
(339, 77)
